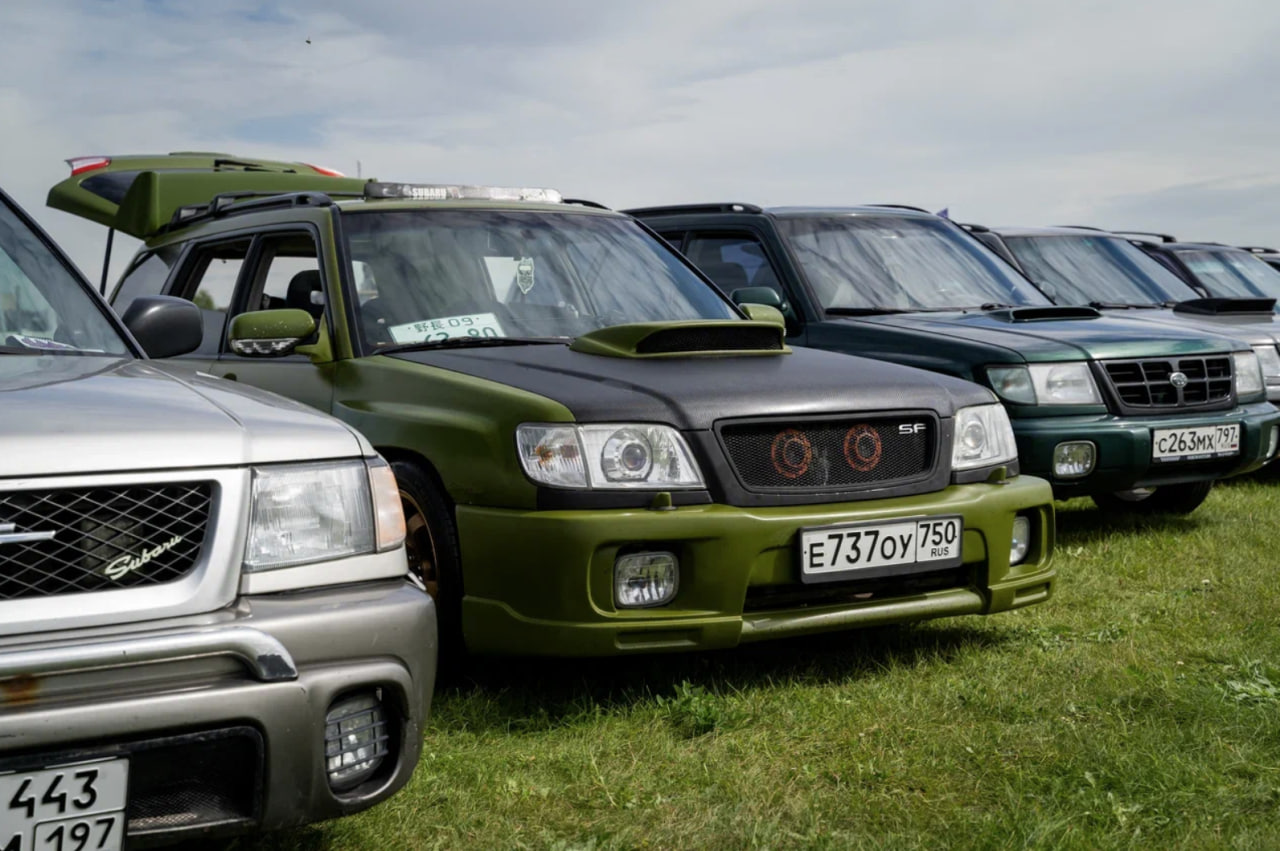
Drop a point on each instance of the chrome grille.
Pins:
(78, 540)
(1148, 384)
(831, 455)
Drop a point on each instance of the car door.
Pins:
(738, 258)
(283, 271)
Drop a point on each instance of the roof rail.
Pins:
(675, 209)
(973, 227)
(1163, 237)
(903, 207)
(235, 203)
(1082, 227)
(1258, 249)
(583, 202)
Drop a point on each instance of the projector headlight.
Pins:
(607, 457)
(983, 438)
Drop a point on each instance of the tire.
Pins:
(435, 564)
(1167, 499)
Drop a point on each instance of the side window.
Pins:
(674, 237)
(733, 261)
(146, 276)
(287, 275)
(209, 279)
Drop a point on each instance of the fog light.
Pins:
(1273, 441)
(355, 740)
(1021, 542)
(1074, 459)
(641, 580)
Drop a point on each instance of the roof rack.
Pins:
(583, 202)
(1258, 249)
(973, 227)
(674, 209)
(902, 207)
(234, 203)
(1163, 237)
(1082, 227)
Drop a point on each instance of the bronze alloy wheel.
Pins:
(420, 546)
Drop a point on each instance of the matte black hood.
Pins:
(693, 393)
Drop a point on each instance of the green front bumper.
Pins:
(541, 582)
(1124, 448)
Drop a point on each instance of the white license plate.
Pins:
(72, 808)
(1195, 444)
(879, 549)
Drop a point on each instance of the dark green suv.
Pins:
(597, 451)
(1137, 417)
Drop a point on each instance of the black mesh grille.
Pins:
(711, 339)
(839, 454)
(103, 538)
(195, 784)
(1149, 384)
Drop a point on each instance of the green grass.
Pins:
(1138, 708)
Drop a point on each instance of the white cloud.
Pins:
(1007, 112)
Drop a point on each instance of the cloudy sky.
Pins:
(1154, 116)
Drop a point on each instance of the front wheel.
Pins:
(1166, 499)
(431, 542)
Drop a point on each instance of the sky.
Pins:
(1157, 116)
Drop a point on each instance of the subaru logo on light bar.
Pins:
(452, 192)
(10, 535)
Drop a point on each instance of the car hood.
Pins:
(694, 392)
(1095, 338)
(66, 415)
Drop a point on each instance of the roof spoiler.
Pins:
(1225, 306)
(1044, 314)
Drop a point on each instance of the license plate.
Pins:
(72, 808)
(880, 549)
(1195, 444)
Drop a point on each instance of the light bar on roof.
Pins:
(451, 192)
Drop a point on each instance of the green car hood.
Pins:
(997, 336)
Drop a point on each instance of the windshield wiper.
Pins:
(1121, 305)
(473, 342)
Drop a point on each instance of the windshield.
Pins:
(899, 263)
(1232, 274)
(1085, 269)
(428, 276)
(44, 309)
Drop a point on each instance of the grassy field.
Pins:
(1138, 708)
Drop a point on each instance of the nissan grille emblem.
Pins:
(9, 534)
(1178, 379)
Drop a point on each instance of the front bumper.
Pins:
(222, 716)
(541, 582)
(1123, 446)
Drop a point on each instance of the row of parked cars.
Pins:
(554, 429)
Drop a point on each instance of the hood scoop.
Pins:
(684, 339)
(1225, 306)
(1051, 313)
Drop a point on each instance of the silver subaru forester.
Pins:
(206, 625)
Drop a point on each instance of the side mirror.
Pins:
(764, 297)
(765, 313)
(270, 333)
(164, 326)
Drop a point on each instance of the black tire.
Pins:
(435, 564)
(1167, 499)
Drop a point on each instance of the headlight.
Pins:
(617, 456)
(1269, 360)
(1046, 384)
(303, 513)
(1248, 374)
(983, 438)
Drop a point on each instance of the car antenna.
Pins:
(106, 261)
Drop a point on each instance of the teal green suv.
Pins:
(1138, 417)
(597, 452)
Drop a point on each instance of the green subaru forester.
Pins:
(597, 451)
